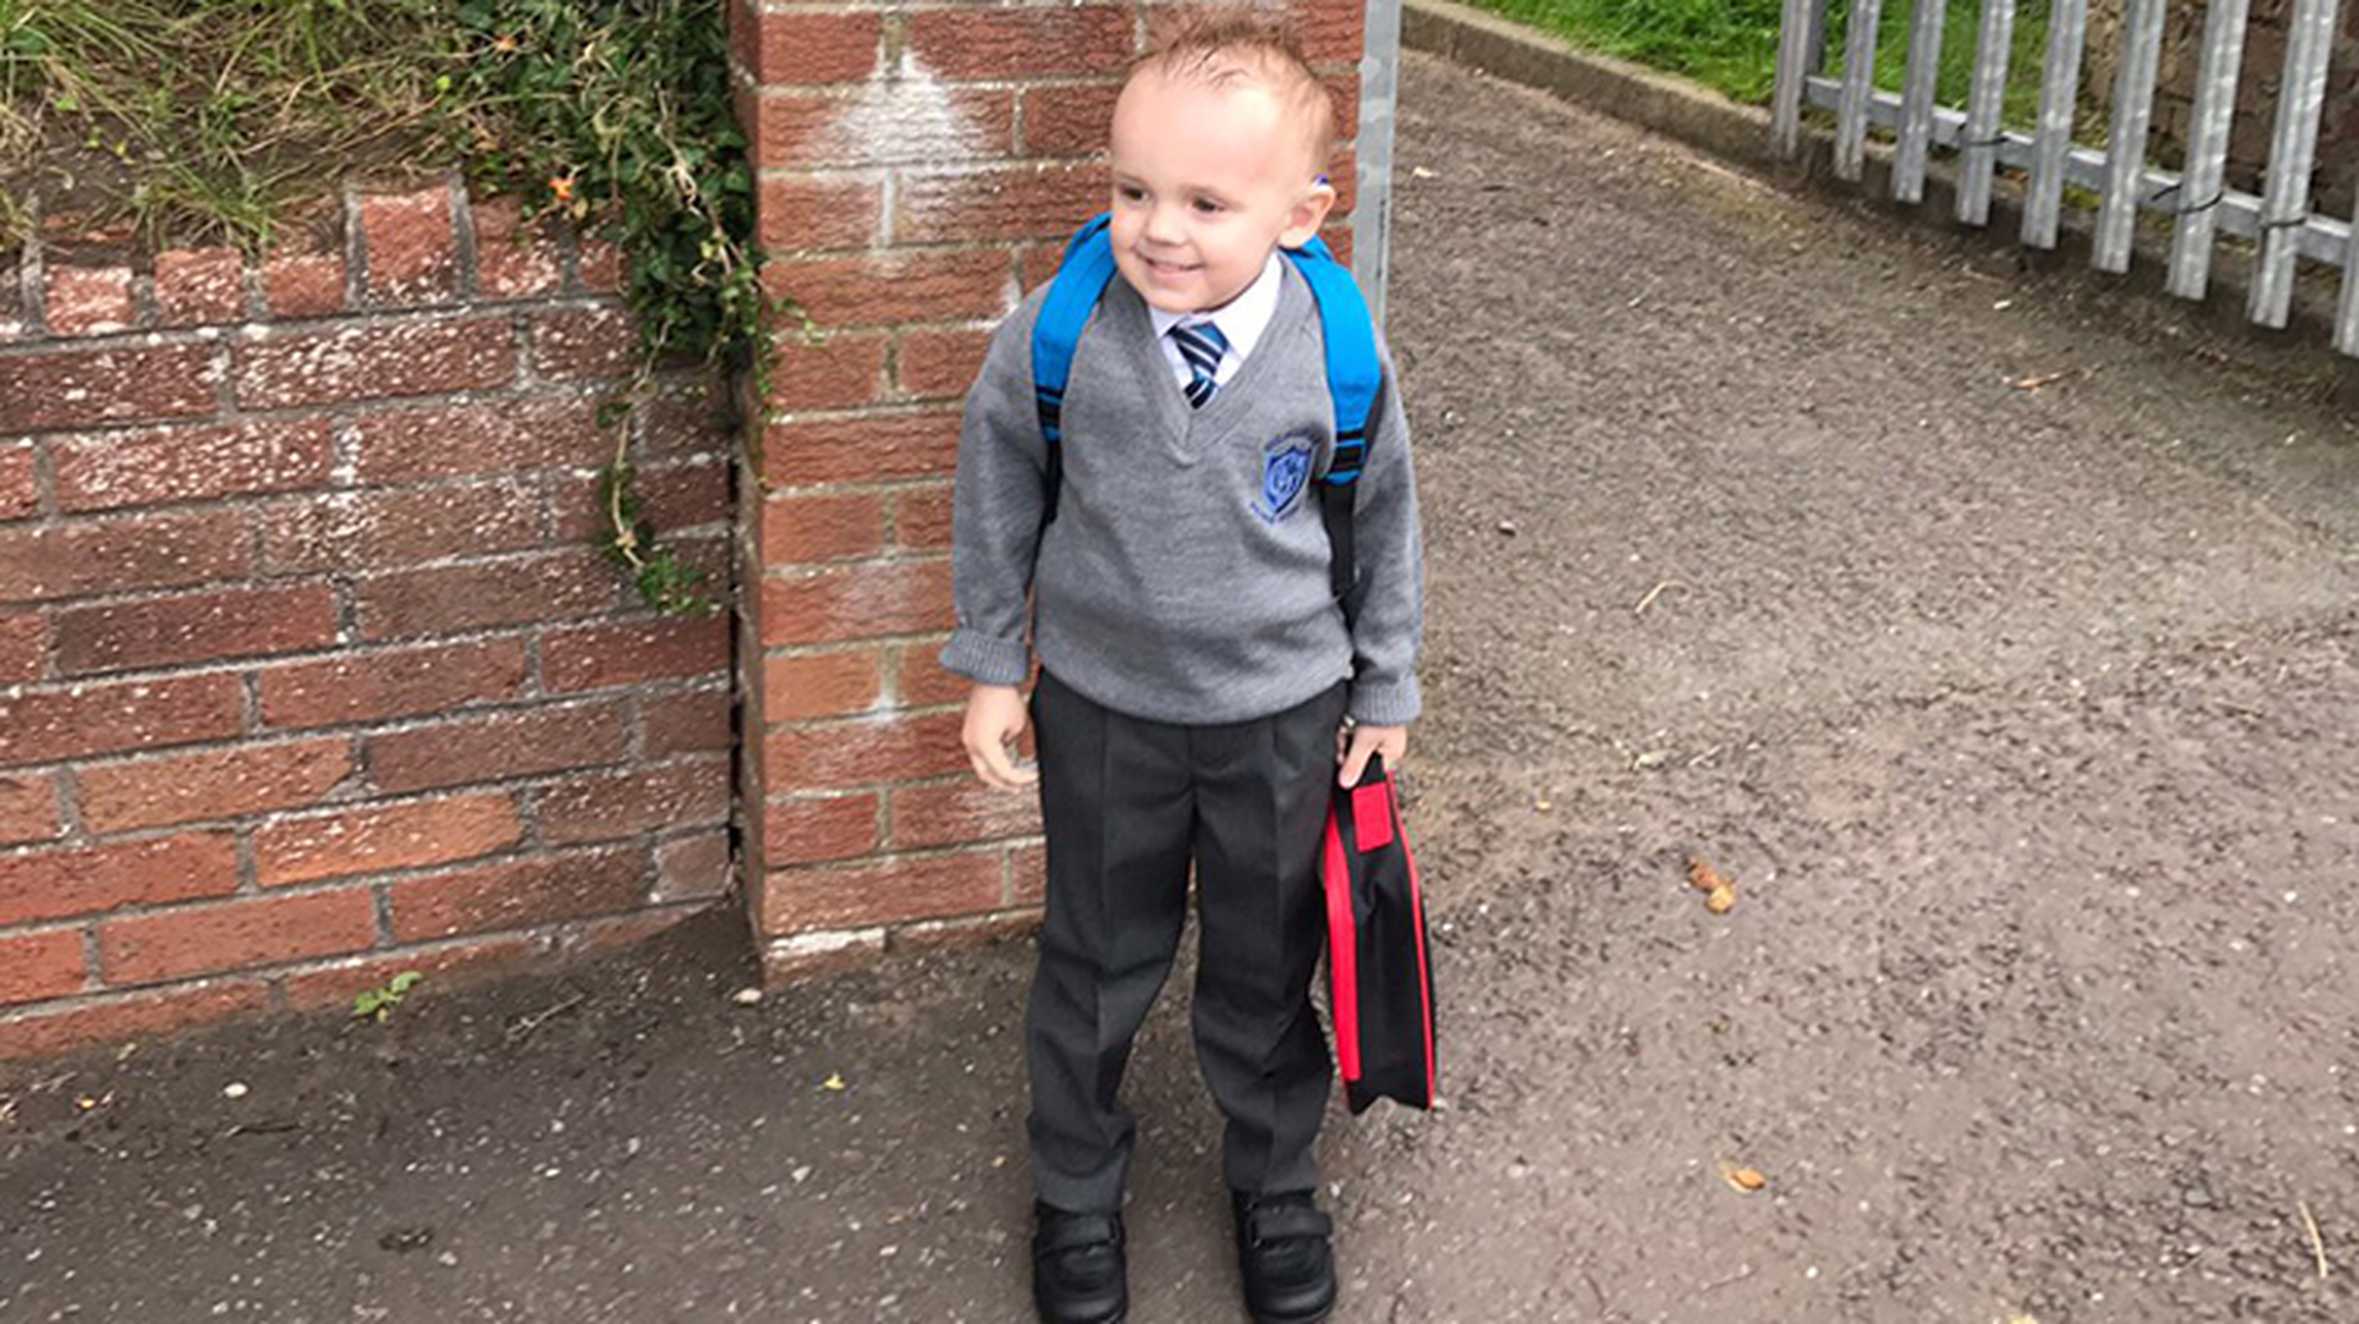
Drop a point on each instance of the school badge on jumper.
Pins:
(1285, 472)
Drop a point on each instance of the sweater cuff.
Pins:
(985, 660)
(1386, 702)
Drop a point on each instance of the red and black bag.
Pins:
(1378, 975)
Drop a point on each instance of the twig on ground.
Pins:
(1731, 1280)
(1656, 592)
(523, 1028)
(2317, 1243)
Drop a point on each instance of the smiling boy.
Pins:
(1199, 681)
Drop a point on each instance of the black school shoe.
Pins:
(1284, 1256)
(1078, 1273)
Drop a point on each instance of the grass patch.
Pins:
(209, 120)
(161, 123)
(1731, 45)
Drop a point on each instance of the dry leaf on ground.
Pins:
(1722, 900)
(1743, 1179)
(1702, 876)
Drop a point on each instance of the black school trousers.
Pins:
(1128, 805)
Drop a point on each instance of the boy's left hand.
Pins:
(1353, 745)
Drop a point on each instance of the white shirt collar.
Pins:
(1241, 319)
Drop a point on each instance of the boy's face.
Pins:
(1207, 182)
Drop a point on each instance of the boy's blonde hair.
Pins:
(1228, 44)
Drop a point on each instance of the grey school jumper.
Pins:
(1185, 576)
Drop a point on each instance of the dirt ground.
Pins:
(2023, 717)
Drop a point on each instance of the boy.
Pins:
(1196, 669)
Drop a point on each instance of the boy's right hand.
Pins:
(996, 719)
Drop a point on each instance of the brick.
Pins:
(951, 935)
(629, 653)
(588, 937)
(810, 213)
(692, 414)
(1344, 175)
(836, 755)
(413, 257)
(940, 363)
(504, 745)
(1027, 874)
(920, 680)
(215, 784)
(901, 597)
(865, 448)
(822, 684)
(922, 516)
(154, 466)
(1069, 121)
(793, 959)
(196, 627)
(601, 265)
(89, 301)
(694, 867)
(28, 810)
(841, 372)
(350, 531)
(1330, 34)
(24, 647)
(889, 891)
(604, 807)
(514, 259)
(38, 966)
(1001, 202)
(444, 968)
(382, 838)
(1343, 91)
(808, 831)
(518, 894)
(811, 48)
(51, 726)
(117, 1018)
(584, 343)
(688, 723)
(1021, 43)
(959, 812)
(1039, 263)
(808, 530)
(121, 555)
(236, 935)
(197, 286)
(20, 489)
(513, 591)
(296, 285)
(90, 387)
(938, 285)
(532, 432)
(87, 880)
(882, 124)
(404, 683)
(278, 369)
(673, 497)
(1339, 238)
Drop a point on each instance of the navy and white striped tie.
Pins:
(1202, 345)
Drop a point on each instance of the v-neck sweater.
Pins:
(1185, 576)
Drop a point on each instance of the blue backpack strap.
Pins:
(1080, 282)
(1354, 374)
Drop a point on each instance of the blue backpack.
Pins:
(1353, 371)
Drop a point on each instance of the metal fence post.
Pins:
(1380, 70)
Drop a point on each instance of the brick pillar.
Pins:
(919, 166)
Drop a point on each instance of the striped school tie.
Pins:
(1202, 345)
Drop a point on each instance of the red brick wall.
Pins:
(308, 673)
(920, 164)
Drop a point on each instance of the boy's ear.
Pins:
(1310, 212)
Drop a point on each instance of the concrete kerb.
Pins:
(1704, 119)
